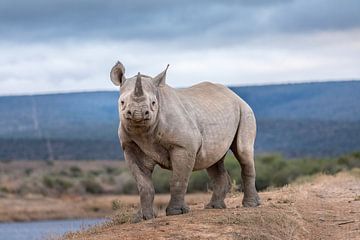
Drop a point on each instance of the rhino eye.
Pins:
(122, 102)
(153, 103)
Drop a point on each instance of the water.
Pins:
(39, 230)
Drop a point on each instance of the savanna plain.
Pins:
(301, 199)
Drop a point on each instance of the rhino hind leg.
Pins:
(251, 197)
(221, 184)
(243, 149)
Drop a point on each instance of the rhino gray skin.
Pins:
(184, 130)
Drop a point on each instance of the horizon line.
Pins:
(230, 86)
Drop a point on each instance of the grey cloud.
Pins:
(319, 15)
(205, 22)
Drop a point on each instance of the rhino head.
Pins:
(138, 102)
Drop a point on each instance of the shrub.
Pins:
(274, 170)
(28, 171)
(91, 186)
(4, 189)
(350, 161)
(161, 179)
(94, 173)
(130, 187)
(75, 171)
(113, 170)
(56, 183)
(199, 182)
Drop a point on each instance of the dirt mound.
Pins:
(327, 207)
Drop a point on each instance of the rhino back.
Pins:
(216, 112)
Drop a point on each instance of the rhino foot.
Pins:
(177, 210)
(139, 216)
(252, 201)
(218, 205)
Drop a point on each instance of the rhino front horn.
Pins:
(138, 86)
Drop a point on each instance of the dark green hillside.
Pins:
(59, 116)
(307, 138)
(330, 101)
(309, 119)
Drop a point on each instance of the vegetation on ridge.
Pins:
(54, 178)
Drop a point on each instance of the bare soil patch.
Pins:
(327, 207)
(14, 208)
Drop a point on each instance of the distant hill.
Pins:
(297, 120)
(329, 101)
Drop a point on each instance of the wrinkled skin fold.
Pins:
(183, 130)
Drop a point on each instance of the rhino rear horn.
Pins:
(159, 80)
(138, 92)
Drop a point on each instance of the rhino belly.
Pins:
(216, 111)
(216, 141)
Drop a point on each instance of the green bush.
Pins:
(94, 173)
(28, 171)
(161, 180)
(92, 186)
(75, 171)
(113, 170)
(274, 170)
(130, 187)
(233, 167)
(350, 161)
(4, 189)
(56, 183)
(271, 171)
(199, 182)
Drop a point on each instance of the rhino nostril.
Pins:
(128, 113)
(146, 113)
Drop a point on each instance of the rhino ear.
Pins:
(159, 80)
(117, 74)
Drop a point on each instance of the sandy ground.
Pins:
(33, 207)
(328, 207)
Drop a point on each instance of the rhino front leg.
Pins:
(146, 192)
(182, 164)
(221, 184)
(142, 170)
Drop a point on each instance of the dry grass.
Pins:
(324, 208)
(43, 208)
(123, 214)
(316, 207)
(35, 207)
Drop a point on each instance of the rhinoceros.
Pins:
(183, 130)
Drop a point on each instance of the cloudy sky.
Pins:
(60, 46)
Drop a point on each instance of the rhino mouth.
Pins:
(138, 123)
